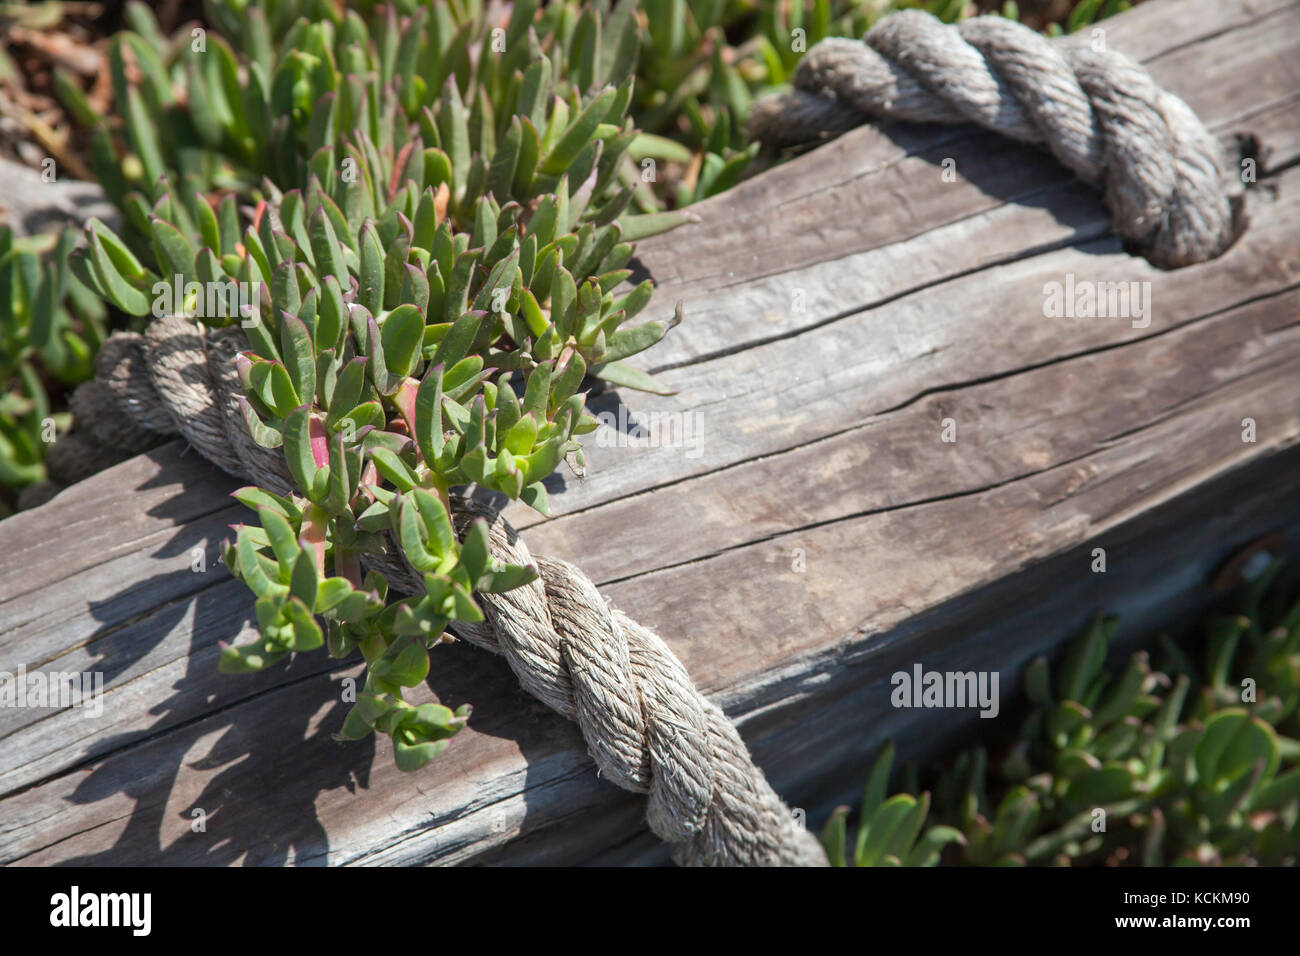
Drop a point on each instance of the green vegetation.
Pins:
(1183, 765)
(51, 325)
(438, 234)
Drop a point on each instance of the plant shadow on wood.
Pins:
(606, 403)
(261, 745)
(256, 754)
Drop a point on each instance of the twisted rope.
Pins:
(121, 412)
(1099, 112)
(647, 727)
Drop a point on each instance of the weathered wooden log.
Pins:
(805, 532)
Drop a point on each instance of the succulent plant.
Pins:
(427, 215)
(50, 328)
(1182, 766)
(508, 152)
(888, 829)
(704, 63)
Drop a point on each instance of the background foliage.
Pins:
(1196, 762)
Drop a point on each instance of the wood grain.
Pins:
(820, 536)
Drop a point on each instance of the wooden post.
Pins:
(884, 450)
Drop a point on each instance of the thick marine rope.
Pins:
(647, 727)
(1161, 172)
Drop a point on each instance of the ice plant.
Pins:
(438, 243)
(1188, 764)
(50, 327)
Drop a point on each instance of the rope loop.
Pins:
(1162, 173)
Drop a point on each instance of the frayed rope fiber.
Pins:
(647, 727)
(1161, 172)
